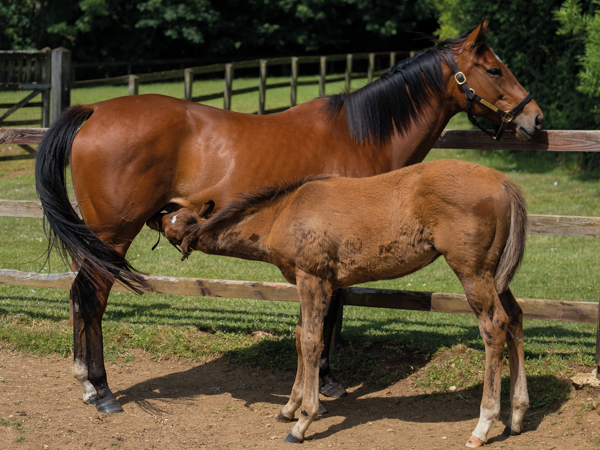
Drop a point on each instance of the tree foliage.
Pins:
(105, 30)
(585, 27)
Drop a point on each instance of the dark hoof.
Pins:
(333, 390)
(91, 401)
(109, 405)
(291, 439)
(282, 418)
(508, 432)
(322, 409)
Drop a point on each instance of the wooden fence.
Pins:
(40, 73)
(227, 70)
(564, 310)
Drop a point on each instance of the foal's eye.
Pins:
(494, 71)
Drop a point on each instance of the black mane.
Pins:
(394, 100)
(252, 201)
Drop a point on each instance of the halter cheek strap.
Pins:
(471, 96)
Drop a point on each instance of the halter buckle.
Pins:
(507, 116)
(462, 81)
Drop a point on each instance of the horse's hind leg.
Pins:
(493, 324)
(519, 398)
(331, 386)
(89, 304)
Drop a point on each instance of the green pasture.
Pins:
(378, 346)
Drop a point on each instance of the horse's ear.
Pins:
(476, 39)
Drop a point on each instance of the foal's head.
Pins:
(490, 79)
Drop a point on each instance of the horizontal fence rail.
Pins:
(571, 311)
(538, 224)
(549, 140)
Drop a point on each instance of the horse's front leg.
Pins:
(288, 411)
(89, 303)
(331, 387)
(315, 296)
(493, 324)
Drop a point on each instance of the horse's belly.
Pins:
(388, 262)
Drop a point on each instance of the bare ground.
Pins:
(181, 404)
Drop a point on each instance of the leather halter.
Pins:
(471, 96)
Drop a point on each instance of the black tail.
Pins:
(63, 227)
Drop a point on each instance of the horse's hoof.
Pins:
(282, 418)
(291, 439)
(91, 401)
(109, 405)
(474, 442)
(333, 390)
(509, 432)
(322, 409)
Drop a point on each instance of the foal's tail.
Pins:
(63, 227)
(514, 248)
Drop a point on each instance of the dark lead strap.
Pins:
(471, 96)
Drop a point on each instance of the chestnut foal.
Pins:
(328, 233)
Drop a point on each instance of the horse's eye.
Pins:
(494, 71)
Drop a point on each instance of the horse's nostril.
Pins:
(539, 119)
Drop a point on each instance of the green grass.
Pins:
(379, 346)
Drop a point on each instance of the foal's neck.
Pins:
(243, 236)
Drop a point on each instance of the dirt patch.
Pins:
(181, 404)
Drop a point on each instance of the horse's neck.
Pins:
(414, 144)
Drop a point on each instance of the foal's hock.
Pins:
(326, 234)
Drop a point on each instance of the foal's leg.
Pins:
(493, 324)
(519, 398)
(315, 296)
(331, 386)
(287, 412)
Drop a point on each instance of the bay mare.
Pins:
(332, 233)
(133, 158)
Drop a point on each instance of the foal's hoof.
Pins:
(291, 439)
(109, 405)
(509, 432)
(333, 390)
(474, 442)
(282, 418)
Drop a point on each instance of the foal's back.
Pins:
(357, 230)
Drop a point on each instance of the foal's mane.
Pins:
(394, 100)
(250, 202)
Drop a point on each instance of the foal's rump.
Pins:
(478, 217)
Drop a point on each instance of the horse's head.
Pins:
(483, 86)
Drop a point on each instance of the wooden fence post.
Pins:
(47, 78)
(392, 59)
(228, 83)
(134, 82)
(262, 86)
(188, 80)
(294, 81)
(598, 345)
(348, 73)
(61, 81)
(371, 68)
(322, 75)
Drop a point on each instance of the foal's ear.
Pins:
(476, 39)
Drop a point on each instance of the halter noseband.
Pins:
(471, 96)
